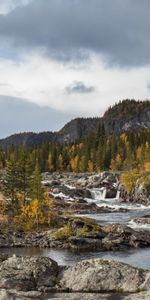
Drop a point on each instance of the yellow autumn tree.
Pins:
(74, 163)
(147, 166)
(81, 163)
(116, 163)
(128, 179)
(36, 213)
(90, 166)
(49, 162)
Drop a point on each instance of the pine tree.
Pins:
(11, 181)
(24, 173)
(36, 190)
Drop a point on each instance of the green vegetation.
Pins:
(139, 290)
(127, 153)
(96, 152)
(77, 226)
(99, 146)
(64, 232)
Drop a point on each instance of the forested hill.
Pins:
(127, 115)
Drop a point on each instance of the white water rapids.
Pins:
(131, 210)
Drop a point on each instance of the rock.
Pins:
(138, 296)
(4, 295)
(19, 295)
(86, 296)
(73, 193)
(140, 193)
(3, 257)
(101, 296)
(143, 220)
(27, 273)
(98, 275)
(82, 244)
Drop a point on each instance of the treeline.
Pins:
(96, 152)
(126, 109)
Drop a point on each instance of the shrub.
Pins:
(64, 232)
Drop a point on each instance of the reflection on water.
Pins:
(138, 257)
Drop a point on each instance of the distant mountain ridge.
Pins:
(126, 115)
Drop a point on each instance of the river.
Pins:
(138, 257)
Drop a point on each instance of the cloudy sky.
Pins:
(60, 59)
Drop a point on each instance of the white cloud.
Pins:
(44, 81)
(8, 5)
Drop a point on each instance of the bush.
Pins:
(147, 183)
(64, 232)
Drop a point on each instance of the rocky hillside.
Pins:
(28, 139)
(126, 115)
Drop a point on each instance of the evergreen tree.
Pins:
(11, 181)
(36, 190)
(24, 173)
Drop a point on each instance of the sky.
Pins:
(61, 59)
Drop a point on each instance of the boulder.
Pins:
(4, 295)
(98, 275)
(27, 273)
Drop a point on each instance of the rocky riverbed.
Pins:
(119, 225)
(80, 234)
(42, 278)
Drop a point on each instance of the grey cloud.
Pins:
(3, 84)
(78, 87)
(71, 29)
(148, 86)
(18, 115)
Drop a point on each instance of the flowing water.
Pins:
(138, 257)
(131, 210)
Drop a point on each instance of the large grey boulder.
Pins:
(4, 295)
(28, 273)
(98, 275)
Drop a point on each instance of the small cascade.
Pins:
(118, 195)
(99, 194)
(104, 194)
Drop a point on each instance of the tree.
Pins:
(24, 173)
(11, 181)
(36, 213)
(36, 190)
(49, 162)
(128, 179)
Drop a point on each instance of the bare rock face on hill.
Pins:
(128, 115)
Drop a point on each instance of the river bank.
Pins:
(93, 222)
(42, 278)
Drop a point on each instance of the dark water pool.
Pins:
(138, 257)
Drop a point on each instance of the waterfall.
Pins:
(99, 194)
(118, 195)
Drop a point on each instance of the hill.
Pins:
(127, 115)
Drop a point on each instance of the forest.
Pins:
(94, 153)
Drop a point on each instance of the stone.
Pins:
(4, 295)
(27, 273)
(98, 275)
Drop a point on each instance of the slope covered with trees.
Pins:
(96, 149)
(127, 115)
